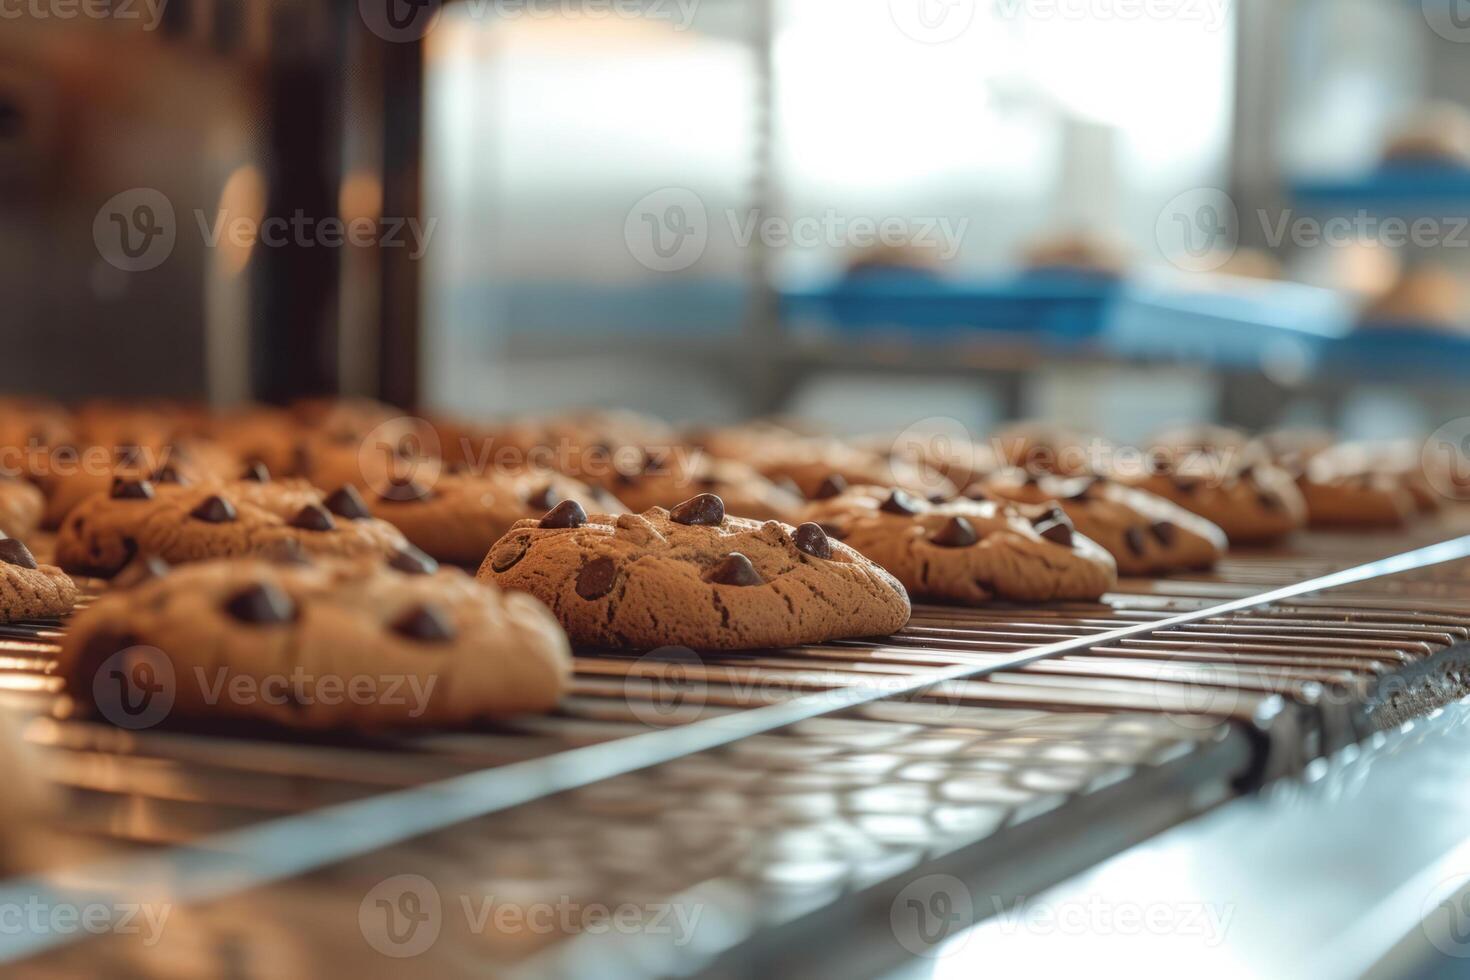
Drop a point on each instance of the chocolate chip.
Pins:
(508, 554)
(543, 499)
(1164, 532)
(812, 540)
(733, 569)
(566, 514)
(1269, 500)
(313, 517)
(257, 471)
(407, 490)
(939, 498)
(146, 569)
(596, 579)
(13, 552)
(215, 510)
(412, 561)
(169, 474)
(955, 533)
(1057, 532)
(347, 502)
(830, 487)
(1184, 484)
(131, 489)
(1134, 538)
(424, 623)
(705, 510)
(899, 502)
(262, 604)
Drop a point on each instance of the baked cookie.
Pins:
(21, 507)
(814, 464)
(462, 515)
(1145, 534)
(967, 551)
(73, 474)
(29, 589)
(1258, 504)
(692, 576)
(664, 480)
(1083, 252)
(192, 522)
(326, 645)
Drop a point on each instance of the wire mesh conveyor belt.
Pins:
(750, 792)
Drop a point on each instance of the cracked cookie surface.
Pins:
(182, 523)
(694, 577)
(1145, 534)
(967, 551)
(331, 644)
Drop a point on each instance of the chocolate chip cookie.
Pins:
(692, 576)
(462, 515)
(1145, 534)
(191, 522)
(664, 480)
(1258, 504)
(325, 645)
(29, 589)
(813, 464)
(967, 551)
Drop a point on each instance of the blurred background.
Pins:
(1111, 213)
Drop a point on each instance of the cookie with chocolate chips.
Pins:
(462, 515)
(30, 589)
(694, 576)
(967, 551)
(325, 645)
(665, 479)
(1257, 504)
(1145, 534)
(192, 522)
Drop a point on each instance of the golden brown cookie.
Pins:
(461, 515)
(184, 523)
(966, 550)
(1259, 504)
(327, 645)
(694, 577)
(29, 589)
(1145, 534)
